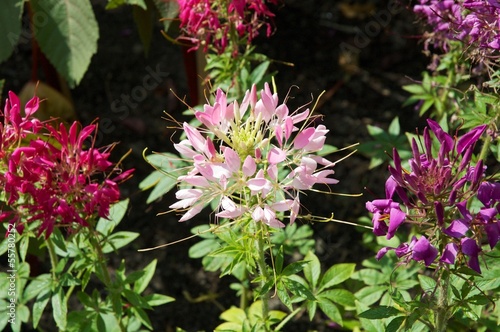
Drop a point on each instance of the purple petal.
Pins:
(443, 137)
(449, 253)
(471, 249)
(493, 232)
(470, 138)
(423, 250)
(457, 229)
(381, 253)
(396, 218)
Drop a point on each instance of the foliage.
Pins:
(67, 31)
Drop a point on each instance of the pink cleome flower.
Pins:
(258, 163)
(47, 174)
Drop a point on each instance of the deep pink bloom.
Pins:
(52, 179)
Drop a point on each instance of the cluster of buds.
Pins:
(46, 174)
(212, 23)
(259, 162)
(476, 23)
(437, 196)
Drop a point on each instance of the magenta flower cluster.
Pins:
(46, 174)
(475, 23)
(260, 160)
(435, 198)
(209, 22)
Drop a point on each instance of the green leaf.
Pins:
(59, 308)
(336, 274)
(116, 213)
(330, 310)
(168, 11)
(296, 286)
(370, 276)
(234, 315)
(149, 271)
(117, 240)
(158, 299)
(10, 27)
(203, 248)
(395, 324)
(380, 312)
(340, 296)
(39, 306)
(394, 128)
(428, 284)
(36, 286)
(312, 269)
(135, 299)
(283, 295)
(144, 19)
(69, 36)
(142, 316)
(293, 268)
(370, 294)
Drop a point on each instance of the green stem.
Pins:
(485, 148)
(244, 291)
(261, 262)
(102, 266)
(442, 310)
(287, 319)
(53, 257)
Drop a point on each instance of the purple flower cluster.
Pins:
(260, 161)
(436, 195)
(46, 174)
(475, 23)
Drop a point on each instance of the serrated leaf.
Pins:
(336, 274)
(59, 309)
(380, 312)
(427, 284)
(312, 269)
(340, 296)
(331, 310)
(36, 286)
(283, 295)
(39, 306)
(69, 37)
(10, 27)
(149, 271)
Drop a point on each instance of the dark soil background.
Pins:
(362, 87)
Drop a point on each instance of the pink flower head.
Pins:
(258, 162)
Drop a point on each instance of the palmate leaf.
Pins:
(10, 27)
(68, 36)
